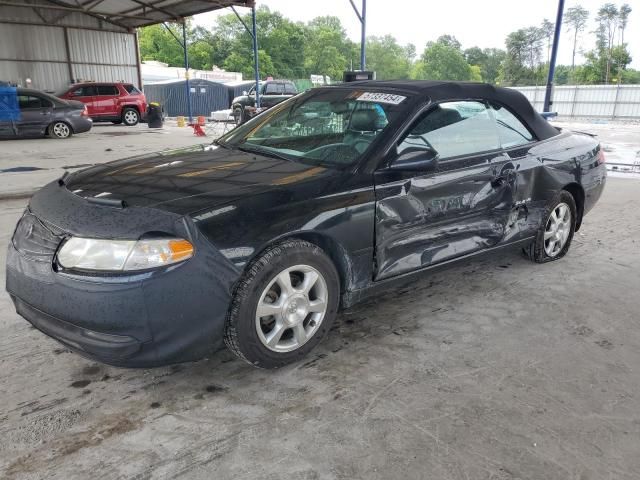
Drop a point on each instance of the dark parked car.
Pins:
(39, 114)
(272, 92)
(109, 102)
(257, 239)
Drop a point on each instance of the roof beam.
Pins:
(66, 7)
(157, 9)
(91, 14)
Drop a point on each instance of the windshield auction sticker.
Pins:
(380, 97)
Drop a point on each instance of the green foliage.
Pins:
(389, 59)
(237, 62)
(327, 50)
(156, 43)
(575, 19)
(289, 49)
(442, 60)
(489, 60)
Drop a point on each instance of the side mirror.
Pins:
(416, 160)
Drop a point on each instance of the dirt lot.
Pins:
(495, 369)
(26, 165)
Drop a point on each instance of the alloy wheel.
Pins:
(291, 308)
(557, 230)
(61, 130)
(130, 117)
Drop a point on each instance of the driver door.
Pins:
(456, 205)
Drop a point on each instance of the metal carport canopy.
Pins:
(132, 14)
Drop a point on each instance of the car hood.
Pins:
(187, 180)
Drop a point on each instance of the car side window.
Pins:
(512, 132)
(86, 91)
(29, 102)
(290, 89)
(273, 89)
(107, 90)
(453, 129)
(131, 90)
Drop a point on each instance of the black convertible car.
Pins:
(325, 199)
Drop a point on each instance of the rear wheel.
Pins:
(284, 305)
(554, 235)
(130, 116)
(59, 130)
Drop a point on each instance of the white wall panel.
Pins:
(595, 101)
(26, 42)
(103, 73)
(38, 52)
(44, 75)
(89, 46)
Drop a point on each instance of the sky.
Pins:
(483, 23)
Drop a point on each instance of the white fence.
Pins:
(589, 101)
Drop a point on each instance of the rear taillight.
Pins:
(85, 112)
(601, 158)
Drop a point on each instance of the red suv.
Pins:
(109, 102)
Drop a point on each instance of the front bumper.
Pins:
(147, 319)
(94, 344)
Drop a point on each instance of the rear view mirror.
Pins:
(421, 159)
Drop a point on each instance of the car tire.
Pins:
(270, 324)
(239, 116)
(130, 117)
(555, 233)
(59, 130)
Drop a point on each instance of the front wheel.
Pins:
(284, 305)
(60, 130)
(555, 233)
(130, 117)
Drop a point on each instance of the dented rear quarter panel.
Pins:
(459, 209)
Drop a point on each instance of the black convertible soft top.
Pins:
(438, 91)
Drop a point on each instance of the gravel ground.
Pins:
(493, 369)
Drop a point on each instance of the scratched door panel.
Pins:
(427, 219)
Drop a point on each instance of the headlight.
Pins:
(122, 255)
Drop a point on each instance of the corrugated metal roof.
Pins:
(129, 13)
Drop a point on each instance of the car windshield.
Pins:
(331, 128)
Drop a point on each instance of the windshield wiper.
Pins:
(263, 151)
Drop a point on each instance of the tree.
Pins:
(533, 36)
(389, 59)
(607, 24)
(576, 20)
(156, 43)
(489, 60)
(547, 29)
(450, 41)
(237, 62)
(514, 69)
(623, 19)
(327, 48)
(442, 61)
